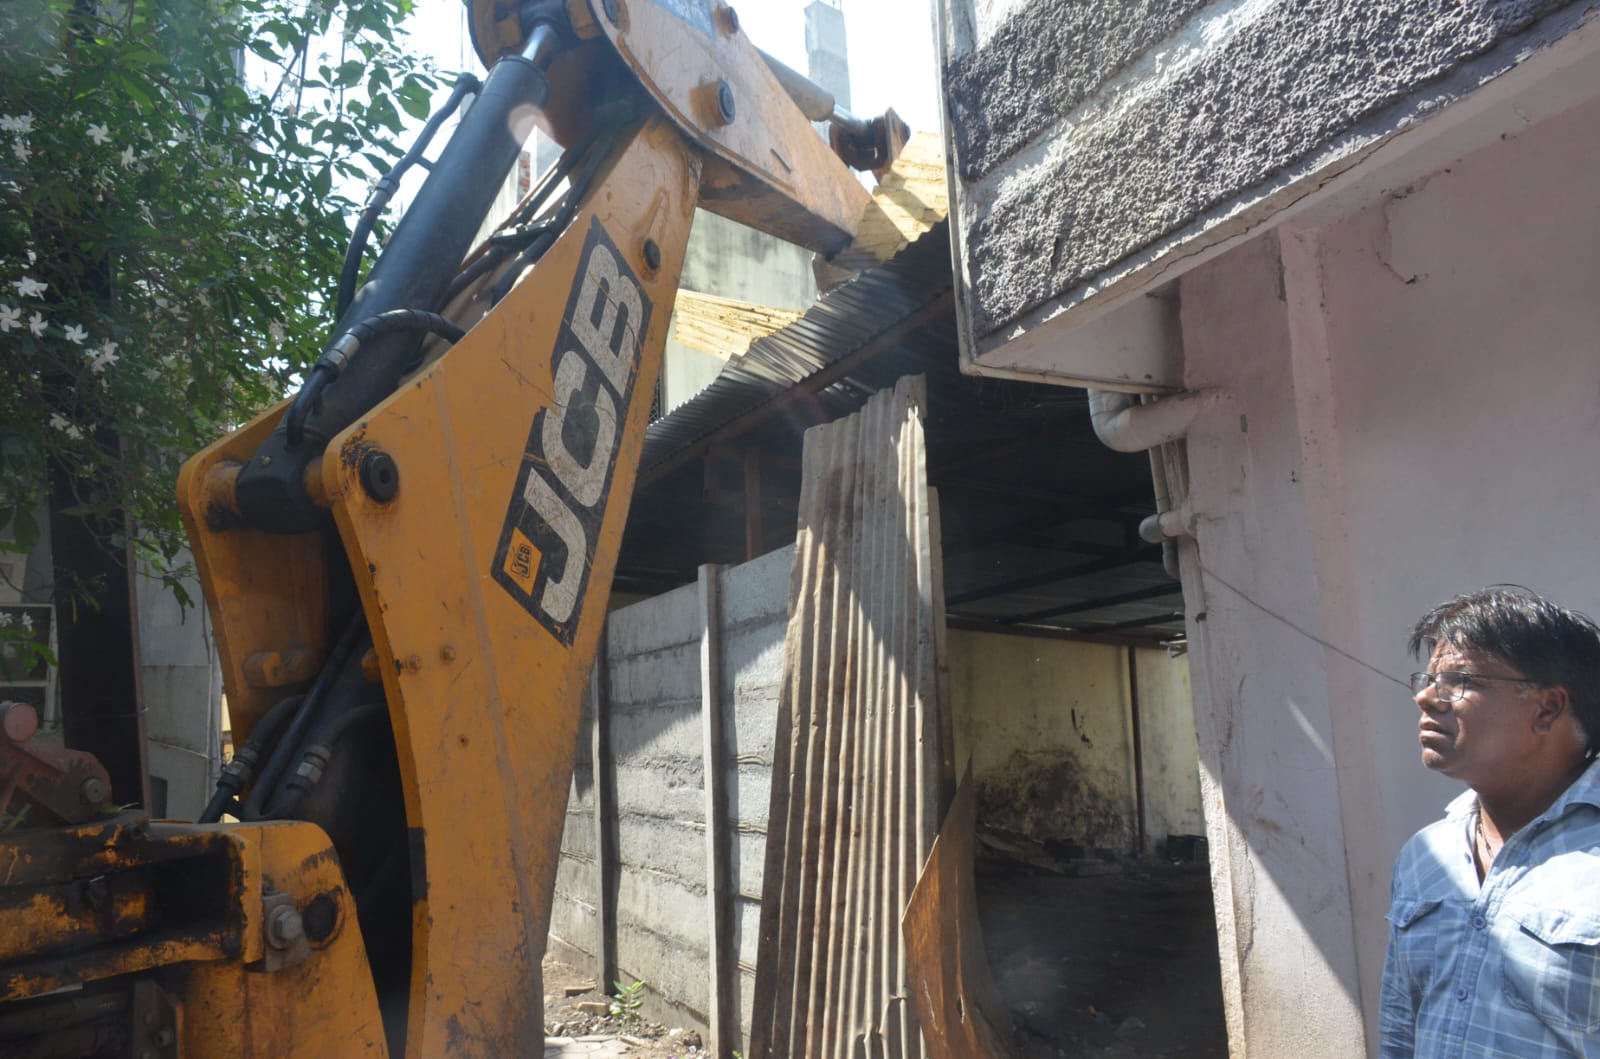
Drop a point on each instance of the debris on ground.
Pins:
(581, 1019)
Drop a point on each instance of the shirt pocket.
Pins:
(1416, 933)
(1552, 967)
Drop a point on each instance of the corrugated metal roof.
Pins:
(1040, 518)
(843, 321)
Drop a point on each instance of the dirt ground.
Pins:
(574, 1025)
(1107, 966)
(1114, 966)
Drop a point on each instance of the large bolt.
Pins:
(725, 106)
(284, 927)
(93, 790)
(162, 1037)
(379, 476)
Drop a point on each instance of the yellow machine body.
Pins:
(483, 576)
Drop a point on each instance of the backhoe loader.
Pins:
(407, 565)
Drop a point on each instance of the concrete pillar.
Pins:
(827, 58)
(1260, 675)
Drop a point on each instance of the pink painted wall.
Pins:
(1415, 411)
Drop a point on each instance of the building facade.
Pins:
(1365, 234)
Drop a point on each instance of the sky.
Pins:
(882, 75)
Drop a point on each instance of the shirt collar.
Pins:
(1585, 789)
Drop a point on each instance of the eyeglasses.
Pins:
(1450, 684)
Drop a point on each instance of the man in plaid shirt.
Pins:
(1494, 927)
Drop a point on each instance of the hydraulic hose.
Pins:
(236, 773)
(314, 762)
(284, 752)
(346, 346)
(384, 190)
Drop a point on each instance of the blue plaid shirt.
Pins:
(1509, 968)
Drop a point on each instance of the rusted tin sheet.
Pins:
(859, 774)
(951, 985)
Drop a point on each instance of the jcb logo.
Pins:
(548, 540)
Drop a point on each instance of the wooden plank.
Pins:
(725, 327)
(911, 198)
(721, 943)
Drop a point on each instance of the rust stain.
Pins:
(951, 985)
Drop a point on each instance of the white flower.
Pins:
(65, 425)
(10, 316)
(22, 123)
(36, 325)
(21, 150)
(180, 136)
(57, 70)
(28, 287)
(99, 134)
(76, 334)
(6, 620)
(127, 157)
(108, 354)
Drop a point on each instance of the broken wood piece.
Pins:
(912, 197)
(725, 327)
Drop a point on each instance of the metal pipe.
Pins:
(814, 101)
(1123, 424)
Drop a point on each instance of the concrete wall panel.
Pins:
(656, 750)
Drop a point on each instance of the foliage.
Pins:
(627, 1000)
(170, 232)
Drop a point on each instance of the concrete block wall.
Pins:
(653, 681)
(1097, 144)
(649, 771)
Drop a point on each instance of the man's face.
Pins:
(1484, 734)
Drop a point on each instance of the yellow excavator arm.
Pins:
(407, 567)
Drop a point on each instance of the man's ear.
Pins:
(1554, 703)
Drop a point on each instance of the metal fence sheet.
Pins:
(860, 770)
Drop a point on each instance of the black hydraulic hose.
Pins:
(564, 214)
(346, 346)
(384, 190)
(284, 752)
(557, 173)
(236, 773)
(314, 762)
(501, 245)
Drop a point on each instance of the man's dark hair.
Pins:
(1546, 643)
